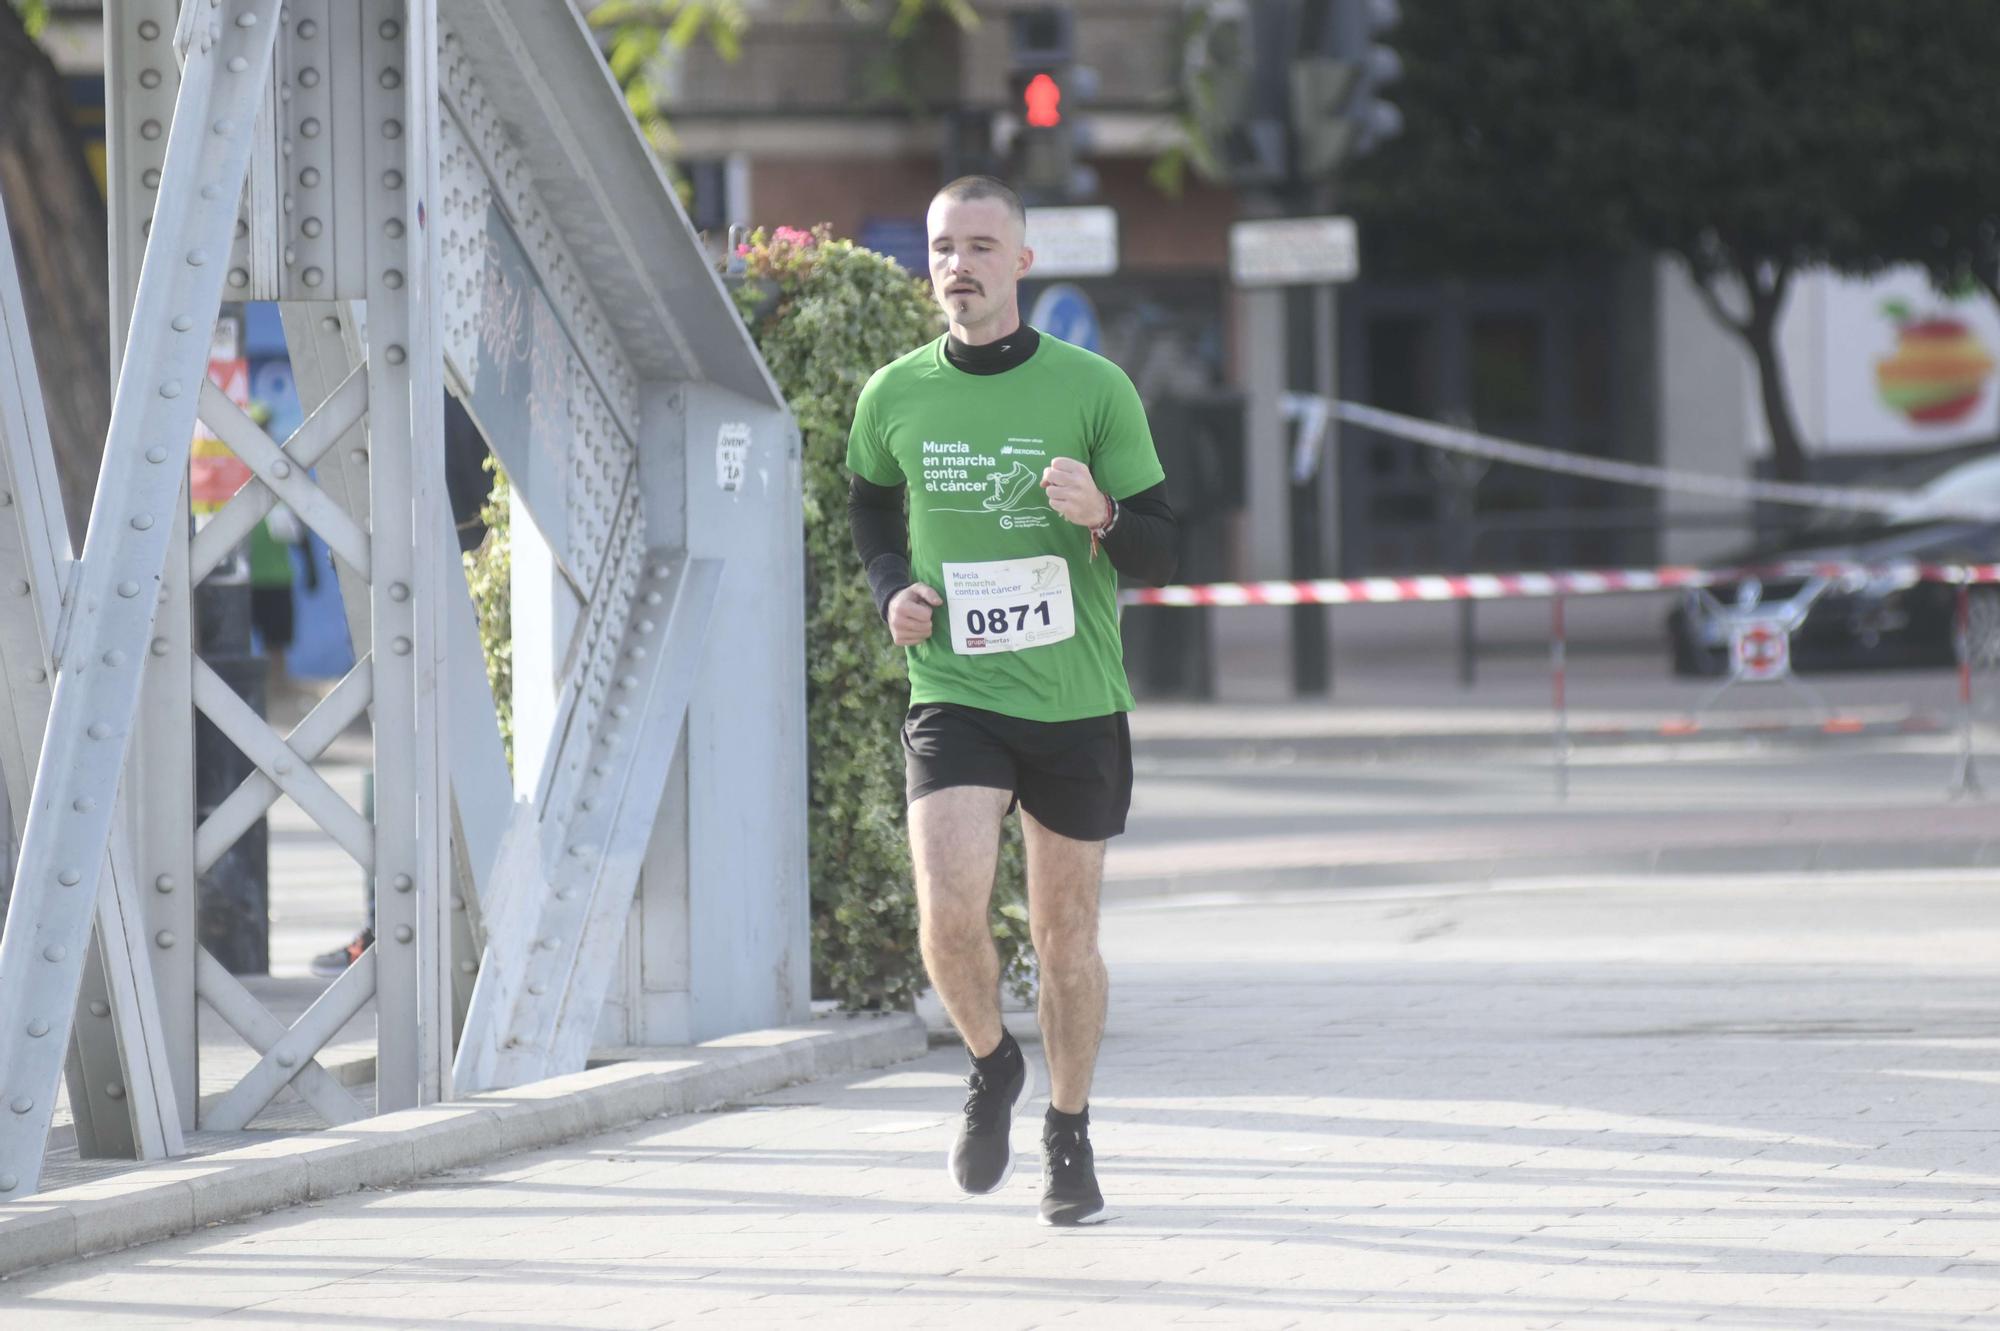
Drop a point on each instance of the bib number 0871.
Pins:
(995, 621)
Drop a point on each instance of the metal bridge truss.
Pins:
(440, 202)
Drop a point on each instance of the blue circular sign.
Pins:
(1064, 310)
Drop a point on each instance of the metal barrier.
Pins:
(1558, 588)
(1515, 586)
(468, 170)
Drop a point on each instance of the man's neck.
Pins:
(985, 334)
(1016, 349)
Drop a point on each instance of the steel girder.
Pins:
(465, 208)
(102, 641)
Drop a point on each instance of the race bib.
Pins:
(1007, 605)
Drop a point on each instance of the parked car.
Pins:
(1862, 620)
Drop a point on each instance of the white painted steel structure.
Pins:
(444, 196)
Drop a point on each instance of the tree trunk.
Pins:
(1760, 330)
(58, 222)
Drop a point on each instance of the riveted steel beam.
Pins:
(142, 81)
(109, 615)
(564, 884)
(407, 583)
(323, 340)
(117, 1066)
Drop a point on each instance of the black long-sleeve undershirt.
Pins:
(1141, 546)
(881, 538)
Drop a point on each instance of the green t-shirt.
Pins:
(972, 448)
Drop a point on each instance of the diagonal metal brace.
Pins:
(328, 424)
(293, 774)
(110, 615)
(240, 1008)
(293, 1052)
(258, 792)
(288, 482)
(552, 936)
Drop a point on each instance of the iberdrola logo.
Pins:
(1938, 369)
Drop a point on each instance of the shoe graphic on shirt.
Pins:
(1009, 488)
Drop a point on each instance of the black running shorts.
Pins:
(1075, 777)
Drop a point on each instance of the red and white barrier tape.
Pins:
(1519, 586)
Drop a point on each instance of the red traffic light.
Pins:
(1042, 99)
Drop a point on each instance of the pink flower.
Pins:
(743, 251)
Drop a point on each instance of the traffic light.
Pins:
(1041, 101)
(1231, 78)
(1338, 110)
(1288, 90)
(1044, 150)
(1046, 87)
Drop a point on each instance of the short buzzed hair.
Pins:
(967, 188)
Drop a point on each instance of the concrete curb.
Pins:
(173, 1197)
(1778, 857)
(350, 1073)
(1539, 737)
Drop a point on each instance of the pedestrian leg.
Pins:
(955, 843)
(1063, 882)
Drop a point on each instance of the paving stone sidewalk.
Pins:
(1757, 1103)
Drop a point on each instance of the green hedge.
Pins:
(826, 314)
(489, 576)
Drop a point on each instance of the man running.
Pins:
(1031, 475)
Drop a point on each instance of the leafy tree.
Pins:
(58, 221)
(1749, 138)
(1944, 196)
(640, 33)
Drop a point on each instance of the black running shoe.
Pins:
(330, 964)
(1069, 1177)
(982, 1159)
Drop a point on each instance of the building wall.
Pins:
(1160, 233)
(1705, 400)
(1860, 393)
(1157, 233)
(842, 191)
(817, 57)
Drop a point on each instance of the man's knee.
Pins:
(1065, 953)
(953, 930)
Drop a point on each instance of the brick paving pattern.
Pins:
(1765, 1103)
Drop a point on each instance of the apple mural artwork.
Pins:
(1938, 369)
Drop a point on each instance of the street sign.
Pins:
(732, 450)
(1073, 242)
(1760, 650)
(1065, 311)
(1294, 251)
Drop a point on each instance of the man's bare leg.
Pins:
(1063, 880)
(955, 842)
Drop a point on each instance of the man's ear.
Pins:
(1024, 263)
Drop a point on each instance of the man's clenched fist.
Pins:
(1074, 494)
(910, 613)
